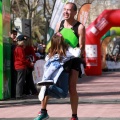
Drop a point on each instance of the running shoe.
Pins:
(46, 82)
(42, 116)
(74, 118)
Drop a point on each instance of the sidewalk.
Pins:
(99, 99)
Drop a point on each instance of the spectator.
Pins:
(41, 50)
(74, 34)
(36, 51)
(29, 87)
(13, 40)
(20, 63)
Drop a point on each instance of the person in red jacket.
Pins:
(20, 64)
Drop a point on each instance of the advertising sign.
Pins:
(23, 26)
(5, 49)
(83, 13)
(26, 27)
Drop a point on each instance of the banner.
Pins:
(83, 13)
(94, 32)
(38, 71)
(1, 53)
(5, 49)
(23, 26)
(26, 27)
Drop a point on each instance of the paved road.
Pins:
(99, 99)
(97, 118)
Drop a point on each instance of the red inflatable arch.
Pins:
(106, 20)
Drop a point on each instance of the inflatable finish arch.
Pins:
(106, 20)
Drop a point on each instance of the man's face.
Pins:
(68, 12)
(13, 35)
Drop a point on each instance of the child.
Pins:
(54, 67)
(58, 55)
(20, 64)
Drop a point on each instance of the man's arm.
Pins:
(57, 27)
(81, 33)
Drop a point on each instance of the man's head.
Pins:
(70, 10)
(13, 35)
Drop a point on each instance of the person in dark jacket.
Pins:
(13, 38)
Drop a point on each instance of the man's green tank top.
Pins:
(70, 34)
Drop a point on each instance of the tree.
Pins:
(34, 10)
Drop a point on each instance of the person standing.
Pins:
(13, 41)
(74, 34)
(29, 87)
(20, 64)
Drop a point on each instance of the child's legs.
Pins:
(20, 82)
(60, 90)
(63, 81)
(44, 102)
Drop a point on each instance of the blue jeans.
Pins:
(60, 89)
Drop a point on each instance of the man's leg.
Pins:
(73, 92)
